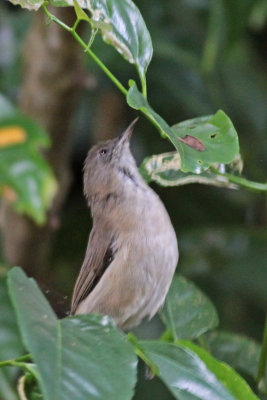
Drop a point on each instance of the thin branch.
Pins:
(15, 361)
(87, 50)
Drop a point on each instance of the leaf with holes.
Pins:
(78, 357)
(187, 312)
(200, 142)
(218, 137)
(165, 169)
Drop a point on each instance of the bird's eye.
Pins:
(102, 152)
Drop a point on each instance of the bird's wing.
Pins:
(100, 253)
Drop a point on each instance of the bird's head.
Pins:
(107, 164)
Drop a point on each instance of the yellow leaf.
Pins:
(12, 135)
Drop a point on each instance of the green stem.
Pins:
(143, 83)
(263, 359)
(87, 50)
(141, 354)
(15, 362)
(76, 23)
(251, 185)
(100, 63)
(55, 19)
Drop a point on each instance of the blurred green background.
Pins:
(208, 55)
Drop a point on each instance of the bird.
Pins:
(132, 251)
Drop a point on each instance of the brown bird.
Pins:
(132, 250)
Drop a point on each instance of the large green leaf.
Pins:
(120, 24)
(239, 351)
(200, 142)
(217, 134)
(187, 312)
(227, 375)
(26, 179)
(165, 169)
(192, 374)
(10, 343)
(78, 357)
(39, 328)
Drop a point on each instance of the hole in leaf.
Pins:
(199, 161)
(213, 136)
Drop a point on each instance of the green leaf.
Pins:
(26, 180)
(214, 135)
(29, 4)
(19, 129)
(81, 15)
(187, 312)
(122, 26)
(217, 134)
(191, 374)
(38, 326)
(227, 375)
(239, 351)
(10, 343)
(82, 357)
(165, 169)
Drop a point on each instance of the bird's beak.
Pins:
(126, 135)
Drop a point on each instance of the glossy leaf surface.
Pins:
(236, 385)
(120, 23)
(191, 377)
(122, 26)
(82, 357)
(187, 312)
